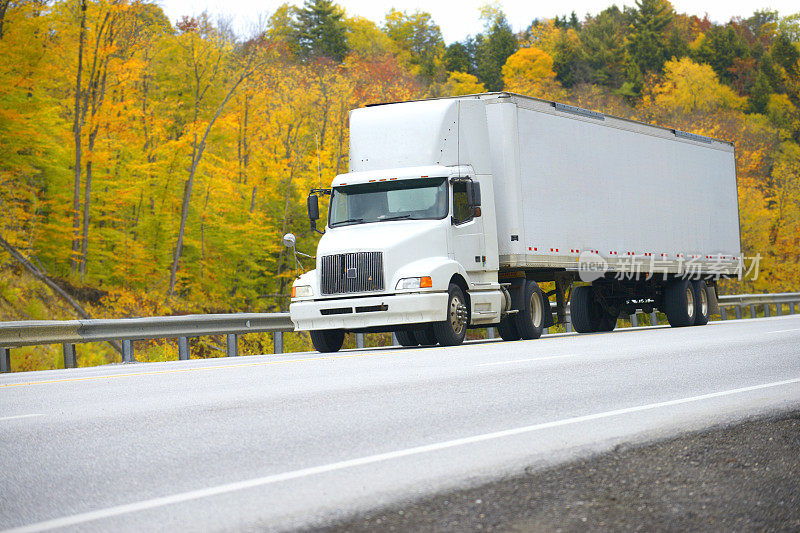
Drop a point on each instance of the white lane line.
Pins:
(16, 417)
(512, 361)
(361, 461)
(784, 330)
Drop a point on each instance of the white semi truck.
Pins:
(458, 212)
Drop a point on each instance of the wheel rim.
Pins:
(458, 315)
(536, 309)
(689, 302)
(703, 302)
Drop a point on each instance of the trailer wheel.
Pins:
(507, 328)
(453, 330)
(327, 340)
(406, 337)
(531, 319)
(701, 298)
(585, 313)
(679, 303)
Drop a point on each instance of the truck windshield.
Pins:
(424, 198)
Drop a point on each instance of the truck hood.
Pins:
(383, 236)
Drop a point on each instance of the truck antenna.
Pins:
(319, 165)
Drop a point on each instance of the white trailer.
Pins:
(456, 210)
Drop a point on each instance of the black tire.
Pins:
(425, 337)
(531, 319)
(406, 337)
(585, 313)
(679, 303)
(701, 298)
(507, 328)
(607, 322)
(453, 330)
(327, 340)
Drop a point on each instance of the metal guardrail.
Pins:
(68, 333)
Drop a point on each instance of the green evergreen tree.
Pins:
(647, 41)
(319, 30)
(720, 48)
(785, 53)
(603, 42)
(458, 59)
(759, 94)
(493, 50)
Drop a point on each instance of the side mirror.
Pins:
(289, 240)
(313, 209)
(474, 193)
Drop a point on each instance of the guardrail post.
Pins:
(779, 308)
(5, 360)
(232, 344)
(394, 340)
(723, 315)
(127, 352)
(277, 342)
(738, 310)
(634, 321)
(653, 318)
(360, 340)
(490, 333)
(766, 310)
(752, 311)
(183, 348)
(69, 355)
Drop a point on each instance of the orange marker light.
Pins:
(425, 281)
(294, 291)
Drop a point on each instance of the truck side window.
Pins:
(461, 209)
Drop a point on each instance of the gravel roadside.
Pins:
(744, 477)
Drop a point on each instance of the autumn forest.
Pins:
(150, 167)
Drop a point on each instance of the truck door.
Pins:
(468, 247)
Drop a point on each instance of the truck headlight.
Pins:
(414, 283)
(302, 291)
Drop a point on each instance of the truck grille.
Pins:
(353, 272)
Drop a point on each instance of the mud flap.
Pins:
(713, 304)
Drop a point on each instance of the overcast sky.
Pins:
(459, 18)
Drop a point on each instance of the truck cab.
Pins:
(402, 247)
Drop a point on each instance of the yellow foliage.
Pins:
(689, 87)
(461, 83)
(529, 71)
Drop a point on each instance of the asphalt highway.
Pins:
(301, 440)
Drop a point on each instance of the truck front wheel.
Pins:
(425, 336)
(453, 330)
(327, 340)
(680, 304)
(406, 337)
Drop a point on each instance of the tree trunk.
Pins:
(76, 128)
(197, 155)
(3, 9)
(41, 276)
(87, 192)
